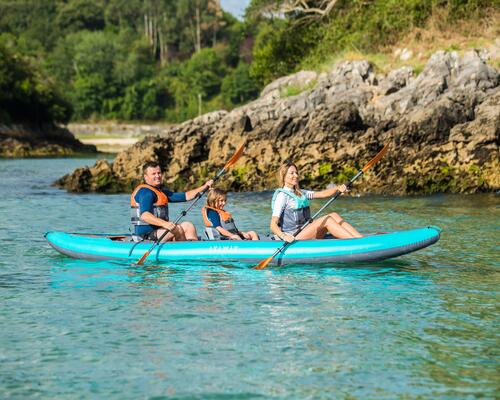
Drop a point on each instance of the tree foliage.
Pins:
(172, 59)
(25, 93)
(120, 59)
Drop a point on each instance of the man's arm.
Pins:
(191, 194)
(146, 199)
(152, 220)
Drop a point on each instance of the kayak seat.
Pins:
(212, 234)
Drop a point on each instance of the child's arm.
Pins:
(226, 233)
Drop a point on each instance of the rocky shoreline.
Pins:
(442, 127)
(24, 141)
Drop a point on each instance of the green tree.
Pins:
(26, 95)
(203, 72)
(32, 19)
(77, 15)
(279, 48)
(238, 86)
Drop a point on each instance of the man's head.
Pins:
(152, 173)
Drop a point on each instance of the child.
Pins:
(220, 223)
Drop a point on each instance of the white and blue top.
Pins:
(292, 210)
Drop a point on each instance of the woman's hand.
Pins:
(235, 237)
(287, 237)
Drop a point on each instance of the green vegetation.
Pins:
(294, 90)
(25, 94)
(367, 29)
(170, 60)
(122, 60)
(447, 179)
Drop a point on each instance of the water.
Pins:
(424, 326)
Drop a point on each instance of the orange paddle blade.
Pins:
(375, 159)
(263, 263)
(235, 156)
(143, 258)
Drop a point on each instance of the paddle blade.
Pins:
(143, 258)
(263, 263)
(375, 159)
(235, 156)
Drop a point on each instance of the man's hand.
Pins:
(208, 184)
(342, 188)
(235, 237)
(169, 225)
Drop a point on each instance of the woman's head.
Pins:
(216, 198)
(289, 176)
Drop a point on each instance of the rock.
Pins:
(405, 55)
(395, 81)
(301, 79)
(442, 128)
(45, 141)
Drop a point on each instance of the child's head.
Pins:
(216, 198)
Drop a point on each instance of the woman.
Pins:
(291, 210)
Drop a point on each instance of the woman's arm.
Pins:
(278, 232)
(330, 192)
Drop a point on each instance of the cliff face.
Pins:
(442, 127)
(45, 141)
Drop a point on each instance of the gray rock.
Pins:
(442, 126)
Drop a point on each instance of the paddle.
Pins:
(263, 264)
(247, 126)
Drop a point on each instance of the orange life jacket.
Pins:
(160, 207)
(226, 221)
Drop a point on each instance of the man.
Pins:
(149, 208)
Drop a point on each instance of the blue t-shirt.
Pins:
(146, 198)
(213, 217)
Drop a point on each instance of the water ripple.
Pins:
(422, 326)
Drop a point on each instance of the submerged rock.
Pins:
(442, 126)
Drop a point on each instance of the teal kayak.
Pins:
(369, 248)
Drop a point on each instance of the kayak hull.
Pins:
(369, 248)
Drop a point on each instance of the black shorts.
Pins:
(151, 235)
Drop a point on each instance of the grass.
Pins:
(294, 90)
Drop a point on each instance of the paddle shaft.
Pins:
(310, 220)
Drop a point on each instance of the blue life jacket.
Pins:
(292, 219)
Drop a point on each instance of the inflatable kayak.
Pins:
(369, 248)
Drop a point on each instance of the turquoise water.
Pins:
(424, 326)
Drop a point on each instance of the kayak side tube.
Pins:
(368, 248)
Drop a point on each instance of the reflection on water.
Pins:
(421, 326)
